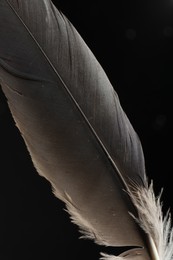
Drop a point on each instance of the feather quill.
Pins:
(76, 132)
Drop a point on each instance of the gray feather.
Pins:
(70, 117)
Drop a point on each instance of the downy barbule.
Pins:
(76, 132)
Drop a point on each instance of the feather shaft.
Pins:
(153, 250)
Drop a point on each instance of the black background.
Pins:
(133, 41)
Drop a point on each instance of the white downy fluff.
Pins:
(152, 221)
(110, 257)
(85, 228)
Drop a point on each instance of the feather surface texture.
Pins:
(76, 131)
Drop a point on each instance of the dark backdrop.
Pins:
(133, 41)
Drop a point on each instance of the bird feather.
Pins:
(78, 136)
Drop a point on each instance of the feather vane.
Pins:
(76, 131)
